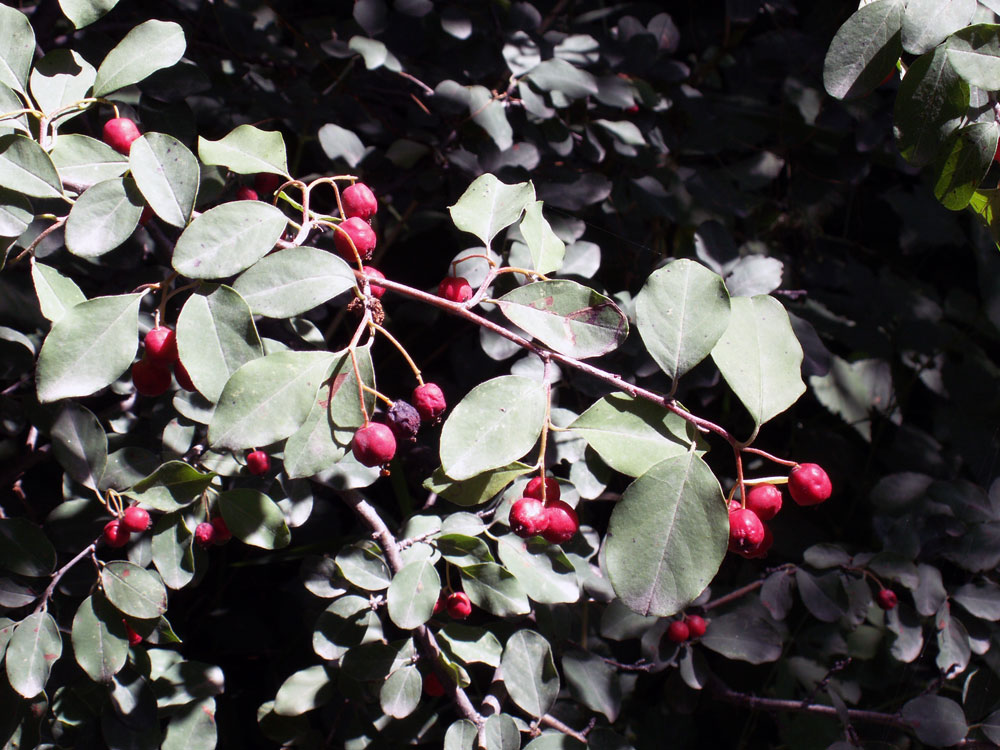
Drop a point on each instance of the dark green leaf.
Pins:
(172, 486)
(80, 444)
(100, 644)
(135, 591)
(254, 518)
(937, 721)
(529, 672)
(24, 548)
(35, 646)
(864, 49)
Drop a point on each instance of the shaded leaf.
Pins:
(80, 444)
(254, 518)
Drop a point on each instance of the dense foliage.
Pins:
(659, 258)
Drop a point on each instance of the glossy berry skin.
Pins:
(363, 235)
(136, 520)
(134, 639)
(149, 378)
(220, 531)
(887, 599)
(374, 444)
(808, 484)
(696, 625)
(246, 194)
(678, 631)
(455, 289)
(563, 522)
(359, 201)
(433, 686)
(161, 346)
(115, 535)
(528, 517)
(183, 379)
(746, 532)
(266, 183)
(374, 275)
(764, 547)
(765, 501)
(534, 489)
(120, 133)
(204, 533)
(404, 421)
(441, 603)
(429, 401)
(459, 605)
(258, 463)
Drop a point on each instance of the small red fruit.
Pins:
(115, 535)
(678, 631)
(220, 531)
(455, 289)
(534, 489)
(360, 232)
(696, 625)
(246, 194)
(765, 501)
(374, 444)
(149, 378)
(134, 639)
(359, 201)
(429, 401)
(808, 484)
(258, 462)
(120, 133)
(136, 519)
(183, 379)
(528, 517)
(374, 275)
(161, 345)
(764, 547)
(746, 532)
(459, 605)
(433, 686)
(887, 599)
(266, 183)
(563, 522)
(440, 604)
(204, 533)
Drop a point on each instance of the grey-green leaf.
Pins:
(567, 79)
(172, 550)
(746, 634)
(937, 721)
(193, 728)
(974, 53)
(547, 250)
(35, 646)
(294, 281)
(400, 693)
(56, 293)
(542, 569)
(493, 588)
(80, 444)
(246, 150)
(135, 591)
(413, 593)
(61, 79)
(303, 691)
(85, 12)
(171, 486)
(228, 239)
(488, 206)
(147, 48)
(864, 49)
(17, 47)
(254, 518)
(103, 217)
(167, 174)
(99, 639)
(529, 672)
(927, 23)
(26, 168)
(83, 161)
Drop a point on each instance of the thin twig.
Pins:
(57, 576)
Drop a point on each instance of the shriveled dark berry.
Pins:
(404, 421)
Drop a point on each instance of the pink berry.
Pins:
(746, 532)
(266, 183)
(150, 378)
(374, 444)
(258, 462)
(120, 133)
(136, 519)
(183, 378)
(161, 345)
(455, 289)
(459, 605)
(528, 517)
(246, 194)
(887, 599)
(429, 401)
(765, 501)
(359, 201)
(374, 275)
(220, 531)
(115, 535)
(204, 533)
(678, 631)
(808, 484)
(134, 639)
(563, 522)
(534, 489)
(696, 625)
(361, 233)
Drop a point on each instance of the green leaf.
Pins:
(568, 317)
(857, 390)
(745, 634)
(681, 312)
(147, 48)
(529, 673)
(362, 565)
(268, 399)
(294, 281)
(567, 79)
(496, 423)
(864, 49)
(135, 591)
(375, 53)
(85, 12)
(35, 646)
(494, 589)
(171, 486)
(254, 518)
(474, 490)
(491, 115)
(399, 695)
(927, 23)
(471, 645)
(937, 721)
(820, 594)
(667, 537)
(632, 434)
(194, 728)
(56, 293)
(80, 444)
(760, 357)
(344, 624)
(103, 217)
(412, 594)
(488, 206)
(9, 104)
(341, 143)
(17, 47)
(547, 250)
(501, 733)
(24, 548)
(228, 239)
(100, 643)
(26, 168)
(216, 336)
(461, 735)
(83, 161)
(167, 174)
(544, 572)
(61, 79)
(962, 164)
(593, 682)
(974, 53)
(247, 150)
(981, 600)
(303, 691)
(172, 550)
(463, 550)
(89, 347)
(16, 213)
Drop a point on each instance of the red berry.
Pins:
(161, 345)
(696, 625)
(359, 201)
(204, 533)
(220, 531)
(258, 462)
(746, 532)
(360, 232)
(633, 109)
(266, 183)
(765, 501)
(149, 378)
(136, 519)
(146, 215)
(374, 275)
(440, 604)
(563, 522)
(528, 517)
(374, 444)
(887, 599)
(455, 289)
(116, 535)
(764, 547)
(183, 379)
(246, 194)
(534, 489)
(458, 605)
(134, 639)
(808, 484)
(120, 133)
(433, 686)
(678, 631)
(429, 401)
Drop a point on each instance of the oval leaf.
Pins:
(228, 239)
(400, 693)
(488, 206)
(100, 644)
(24, 548)
(963, 163)
(746, 634)
(937, 721)
(26, 168)
(495, 589)
(254, 518)
(547, 250)
(56, 293)
(146, 49)
(864, 49)
(35, 646)
(412, 594)
(172, 551)
(171, 486)
(103, 217)
(135, 591)
(17, 48)
(167, 174)
(246, 150)
(60, 79)
(83, 161)
(529, 673)
(194, 728)
(80, 444)
(294, 281)
(85, 12)
(974, 53)
(927, 23)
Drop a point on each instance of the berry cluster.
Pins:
(457, 604)
(118, 531)
(692, 626)
(540, 511)
(374, 444)
(151, 374)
